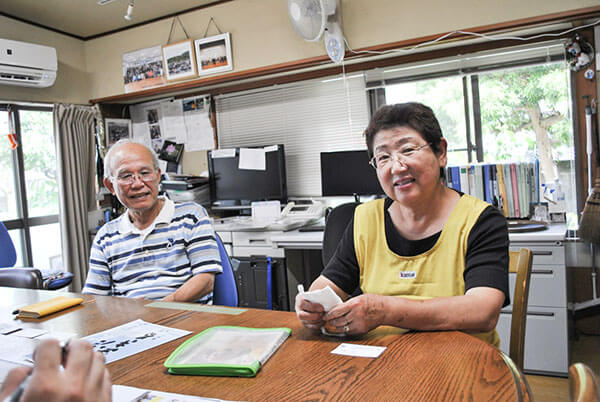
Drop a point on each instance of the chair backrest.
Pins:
(519, 262)
(335, 224)
(224, 289)
(30, 278)
(584, 385)
(8, 255)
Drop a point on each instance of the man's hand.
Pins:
(84, 378)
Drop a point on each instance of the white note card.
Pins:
(351, 349)
(252, 159)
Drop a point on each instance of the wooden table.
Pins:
(415, 366)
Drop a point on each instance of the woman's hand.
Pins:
(358, 315)
(309, 314)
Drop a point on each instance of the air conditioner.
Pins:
(27, 64)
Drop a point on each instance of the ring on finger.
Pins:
(346, 328)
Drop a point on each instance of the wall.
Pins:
(72, 82)
(262, 35)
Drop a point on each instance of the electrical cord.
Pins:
(468, 33)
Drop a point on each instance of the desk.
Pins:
(415, 366)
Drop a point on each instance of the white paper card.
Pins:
(123, 393)
(266, 211)
(271, 148)
(60, 336)
(7, 328)
(29, 333)
(223, 153)
(351, 349)
(326, 297)
(252, 159)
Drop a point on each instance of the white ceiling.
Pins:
(86, 18)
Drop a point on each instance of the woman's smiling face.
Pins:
(411, 170)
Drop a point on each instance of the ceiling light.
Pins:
(129, 11)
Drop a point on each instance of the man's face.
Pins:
(135, 181)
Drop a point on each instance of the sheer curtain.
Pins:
(74, 133)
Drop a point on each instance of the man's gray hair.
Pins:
(110, 155)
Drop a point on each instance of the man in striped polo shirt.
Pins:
(156, 249)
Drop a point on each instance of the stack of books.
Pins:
(512, 187)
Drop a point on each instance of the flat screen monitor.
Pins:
(232, 186)
(348, 173)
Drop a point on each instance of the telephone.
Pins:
(312, 210)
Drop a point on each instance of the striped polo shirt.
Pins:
(154, 262)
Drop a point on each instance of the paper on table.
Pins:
(29, 332)
(131, 338)
(7, 328)
(123, 393)
(350, 349)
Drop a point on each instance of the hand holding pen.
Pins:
(84, 378)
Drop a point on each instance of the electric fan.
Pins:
(312, 19)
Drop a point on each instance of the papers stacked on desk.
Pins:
(247, 224)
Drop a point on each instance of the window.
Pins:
(503, 106)
(29, 190)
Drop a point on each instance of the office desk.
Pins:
(415, 366)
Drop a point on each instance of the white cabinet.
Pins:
(546, 333)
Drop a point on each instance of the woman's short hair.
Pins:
(412, 114)
(110, 155)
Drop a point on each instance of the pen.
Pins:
(17, 393)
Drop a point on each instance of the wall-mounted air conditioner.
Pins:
(27, 64)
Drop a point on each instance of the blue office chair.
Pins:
(25, 277)
(225, 290)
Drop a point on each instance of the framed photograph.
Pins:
(117, 129)
(213, 54)
(143, 69)
(179, 60)
(171, 151)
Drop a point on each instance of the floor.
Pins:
(585, 349)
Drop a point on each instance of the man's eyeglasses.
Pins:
(129, 178)
(384, 159)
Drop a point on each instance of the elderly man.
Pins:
(156, 249)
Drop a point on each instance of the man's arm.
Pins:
(195, 287)
(98, 279)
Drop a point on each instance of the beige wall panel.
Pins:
(72, 81)
(261, 34)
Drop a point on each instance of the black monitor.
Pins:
(348, 173)
(231, 186)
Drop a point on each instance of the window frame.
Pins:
(24, 222)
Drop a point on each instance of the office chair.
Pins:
(335, 225)
(519, 262)
(584, 385)
(224, 289)
(25, 277)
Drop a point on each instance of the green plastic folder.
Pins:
(226, 351)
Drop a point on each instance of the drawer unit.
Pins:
(547, 287)
(546, 332)
(546, 340)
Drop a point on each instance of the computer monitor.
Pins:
(348, 173)
(232, 186)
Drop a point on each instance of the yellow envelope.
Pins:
(46, 307)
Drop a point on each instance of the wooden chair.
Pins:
(584, 385)
(519, 262)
